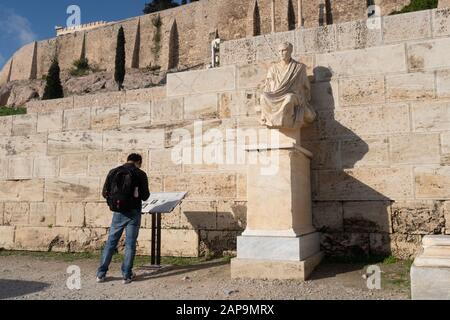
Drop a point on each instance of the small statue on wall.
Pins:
(285, 100)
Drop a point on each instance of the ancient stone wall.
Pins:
(185, 34)
(381, 145)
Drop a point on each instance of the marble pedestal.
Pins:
(280, 241)
(430, 272)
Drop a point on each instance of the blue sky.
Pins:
(23, 21)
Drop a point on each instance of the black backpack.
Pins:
(122, 188)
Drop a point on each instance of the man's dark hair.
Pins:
(134, 157)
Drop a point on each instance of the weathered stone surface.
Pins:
(362, 121)
(24, 190)
(20, 168)
(411, 86)
(100, 163)
(241, 103)
(428, 55)
(447, 216)
(7, 237)
(397, 28)
(6, 125)
(326, 154)
(357, 91)
(145, 95)
(167, 110)
(109, 99)
(443, 84)
(241, 186)
(50, 121)
(325, 95)
(203, 186)
(180, 243)
(378, 60)
(265, 45)
(122, 140)
(3, 168)
(357, 35)
(328, 216)
(322, 39)
(405, 246)
(87, 239)
(365, 184)
(77, 119)
(72, 189)
(17, 214)
(161, 161)
(216, 242)
(33, 145)
(42, 214)
(98, 215)
(367, 216)
(70, 214)
(239, 52)
(46, 167)
(41, 239)
(39, 106)
(74, 165)
(24, 124)
(252, 76)
(441, 22)
(346, 244)
(232, 215)
(415, 149)
(2, 209)
(198, 215)
(432, 182)
(431, 116)
(360, 152)
(199, 82)
(105, 117)
(426, 217)
(135, 114)
(74, 142)
(201, 106)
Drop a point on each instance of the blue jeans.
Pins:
(131, 223)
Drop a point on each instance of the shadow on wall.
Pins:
(16, 288)
(218, 230)
(353, 217)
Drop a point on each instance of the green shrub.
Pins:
(7, 111)
(418, 5)
(81, 67)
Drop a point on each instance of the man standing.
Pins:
(124, 190)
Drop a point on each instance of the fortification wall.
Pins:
(380, 173)
(185, 34)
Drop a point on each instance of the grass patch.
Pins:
(390, 260)
(418, 5)
(7, 111)
(117, 258)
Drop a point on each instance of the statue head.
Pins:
(285, 51)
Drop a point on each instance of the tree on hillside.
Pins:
(119, 74)
(53, 87)
(158, 5)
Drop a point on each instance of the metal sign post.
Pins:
(157, 205)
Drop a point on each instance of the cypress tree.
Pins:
(53, 87)
(119, 74)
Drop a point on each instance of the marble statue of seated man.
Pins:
(285, 100)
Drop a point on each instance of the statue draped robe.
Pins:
(285, 102)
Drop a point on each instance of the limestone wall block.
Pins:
(100, 163)
(167, 110)
(362, 90)
(143, 139)
(6, 125)
(72, 189)
(328, 216)
(7, 237)
(320, 39)
(428, 55)
(432, 182)
(105, 117)
(74, 142)
(87, 239)
(22, 190)
(443, 84)
(418, 217)
(162, 161)
(43, 106)
(415, 149)
(199, 82)
(135, 114)
(367, 216)
(239, 52)
(109, 99)
(427, 116)
(441, 22)
(356, 35)
(24, 124)
(411, 86)
(73, 165)
(145, 95)
(17, 214)
(180, 243)
(46, 167)
(70, 214)
(198, 215)
(50, 121)
(398, 28)
(22, 63)
(41, 239)
(20, 168)
(231, 215)
(98, 215)
(201, 106)
(252, 76)
(77, 119)
(42, 214)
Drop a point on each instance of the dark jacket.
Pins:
(144, 192)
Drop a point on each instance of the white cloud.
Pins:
(15, 26)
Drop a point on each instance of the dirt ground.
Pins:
(30, 277)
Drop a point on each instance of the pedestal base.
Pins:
(430, 273)
(274, 269)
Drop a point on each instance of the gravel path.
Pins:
(23, 277)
